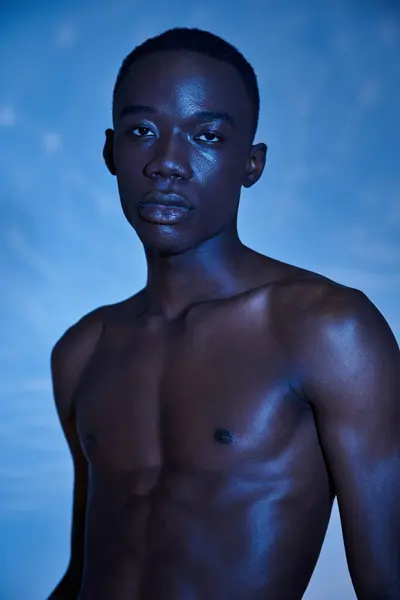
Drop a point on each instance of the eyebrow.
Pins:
(206, 115)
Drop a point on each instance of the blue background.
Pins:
(329, 200)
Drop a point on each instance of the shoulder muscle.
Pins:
(71, 354)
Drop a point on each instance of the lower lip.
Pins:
(163, 215)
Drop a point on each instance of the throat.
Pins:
(173, 289)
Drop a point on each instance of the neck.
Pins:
(218, 268)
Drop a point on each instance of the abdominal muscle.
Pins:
(171, 534)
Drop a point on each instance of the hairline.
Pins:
(125, 75)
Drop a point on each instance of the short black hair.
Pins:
(204, 42)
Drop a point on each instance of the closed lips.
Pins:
(158, 198)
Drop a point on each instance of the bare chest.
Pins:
(208, 394)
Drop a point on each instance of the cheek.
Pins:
(221, 171)
(127, 160)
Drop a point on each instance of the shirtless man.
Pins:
(214, 416)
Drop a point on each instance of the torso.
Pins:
(207, 480)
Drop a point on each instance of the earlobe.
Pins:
(256, 166)
(249, 176)
(108, 151)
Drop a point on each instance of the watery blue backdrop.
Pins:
(329, 200)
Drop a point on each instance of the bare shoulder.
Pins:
(74, 349)
(323, 322)
(311, 301)
(70, 355)
(300, 293)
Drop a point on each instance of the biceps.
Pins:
(362, 450)
(364, 460)
(363, 454)
(79, 517)
(80, 492)
(368, 495)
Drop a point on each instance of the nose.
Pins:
(170, 159)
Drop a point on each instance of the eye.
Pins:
(142, 131)
(209, 135)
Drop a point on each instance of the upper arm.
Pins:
(350, 365)
(69, 358)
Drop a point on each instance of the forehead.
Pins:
(185, 81)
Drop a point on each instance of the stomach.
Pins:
(246, 534)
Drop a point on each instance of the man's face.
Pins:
(182, 133)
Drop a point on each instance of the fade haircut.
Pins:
(204, 42)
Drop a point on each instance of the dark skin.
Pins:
(214, 416)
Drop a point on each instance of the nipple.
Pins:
(223, 436)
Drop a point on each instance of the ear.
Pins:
(108, 151)
(255, 165)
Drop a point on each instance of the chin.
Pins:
(165, 240)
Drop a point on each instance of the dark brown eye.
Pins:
(142, 131)
(210, 137)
